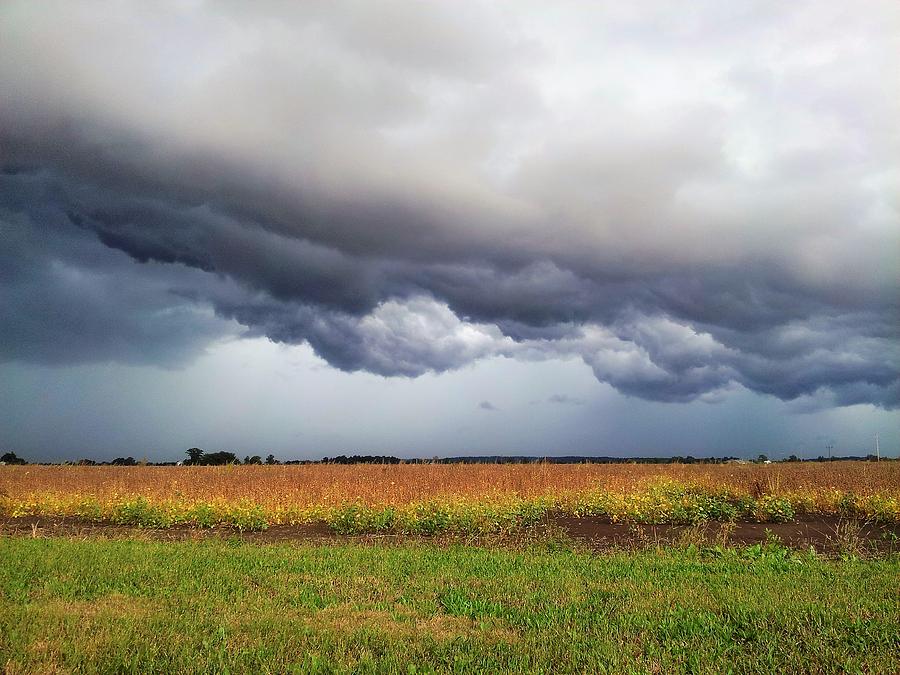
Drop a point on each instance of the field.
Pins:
(438, 498)
(219, 606)
(450, 568)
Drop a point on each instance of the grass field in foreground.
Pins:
(217, 606)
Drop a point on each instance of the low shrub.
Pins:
(655, 503)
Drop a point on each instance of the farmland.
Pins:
(437, 498)
(174, 569)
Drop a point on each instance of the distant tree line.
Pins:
(677, 459)
(361, 459)
(198, 457)
(579, 459)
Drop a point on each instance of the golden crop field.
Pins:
(376, 484)
(387, 496)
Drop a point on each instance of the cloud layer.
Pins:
(686, 201)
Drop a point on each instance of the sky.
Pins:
(430, 229)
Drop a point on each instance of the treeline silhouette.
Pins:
(198, 457)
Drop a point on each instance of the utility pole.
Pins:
(829, 447)
(877, 450)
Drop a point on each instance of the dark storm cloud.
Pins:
(410, 189)
(65, 298)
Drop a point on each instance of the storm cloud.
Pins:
(687, 201)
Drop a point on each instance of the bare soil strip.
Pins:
(826, 534)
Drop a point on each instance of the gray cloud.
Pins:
(462, 185)
(487, 405)
(565, 399)
(66, 299)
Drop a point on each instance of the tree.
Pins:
(256, 459)
(195, 456)
(219, 458)
(762, 459)
(11, 458)
(270, 459)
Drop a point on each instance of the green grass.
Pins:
(217, 606)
